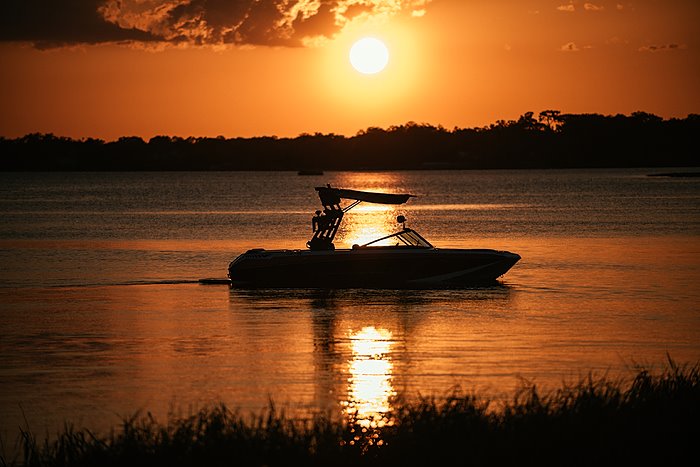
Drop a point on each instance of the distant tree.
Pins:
(131, 140)
(645, 117)
(551, 119)
(527, 122)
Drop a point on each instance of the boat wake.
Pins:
(125, 283)
(129, 283)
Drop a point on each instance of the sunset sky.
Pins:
(110, 68)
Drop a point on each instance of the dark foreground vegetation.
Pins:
(650, 420)
(550, 140)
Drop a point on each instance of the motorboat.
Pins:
(403, 259)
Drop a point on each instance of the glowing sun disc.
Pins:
(369, 55)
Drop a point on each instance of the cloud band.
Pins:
(51, 23)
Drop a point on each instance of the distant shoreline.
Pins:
(676, 174)
(550, 141)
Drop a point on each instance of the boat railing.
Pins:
(408, 237)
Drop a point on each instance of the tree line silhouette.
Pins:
(550, 140)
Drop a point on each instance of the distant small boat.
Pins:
(677, 174)
(310, 172)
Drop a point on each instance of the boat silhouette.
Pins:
(410, 260)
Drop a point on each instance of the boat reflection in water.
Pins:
(353, 353)
(370, 370)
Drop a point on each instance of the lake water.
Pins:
(101, 314)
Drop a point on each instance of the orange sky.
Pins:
(102, 68)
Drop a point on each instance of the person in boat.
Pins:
(323, 220)
(323, 224)
(316, 221)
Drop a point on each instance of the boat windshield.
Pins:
(406, 237)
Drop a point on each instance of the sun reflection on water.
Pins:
(369, 221)
(370, 387)
(368, 225)
(366, 234)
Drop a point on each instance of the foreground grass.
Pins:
(650, 420)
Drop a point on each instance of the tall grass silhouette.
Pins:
(650, 419)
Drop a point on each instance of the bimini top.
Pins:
(330, 196)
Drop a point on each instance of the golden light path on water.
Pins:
(368, 222)
(370, 388)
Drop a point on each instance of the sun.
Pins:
(369, 55)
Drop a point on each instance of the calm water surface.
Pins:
(101, 314)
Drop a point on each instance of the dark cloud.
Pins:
(357, 9)
(323, 23)
(215, 22)
(661, 47)
(263, 23)
(51, 23)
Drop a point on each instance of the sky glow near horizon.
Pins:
(105, 69)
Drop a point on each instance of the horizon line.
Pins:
(410, 123)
